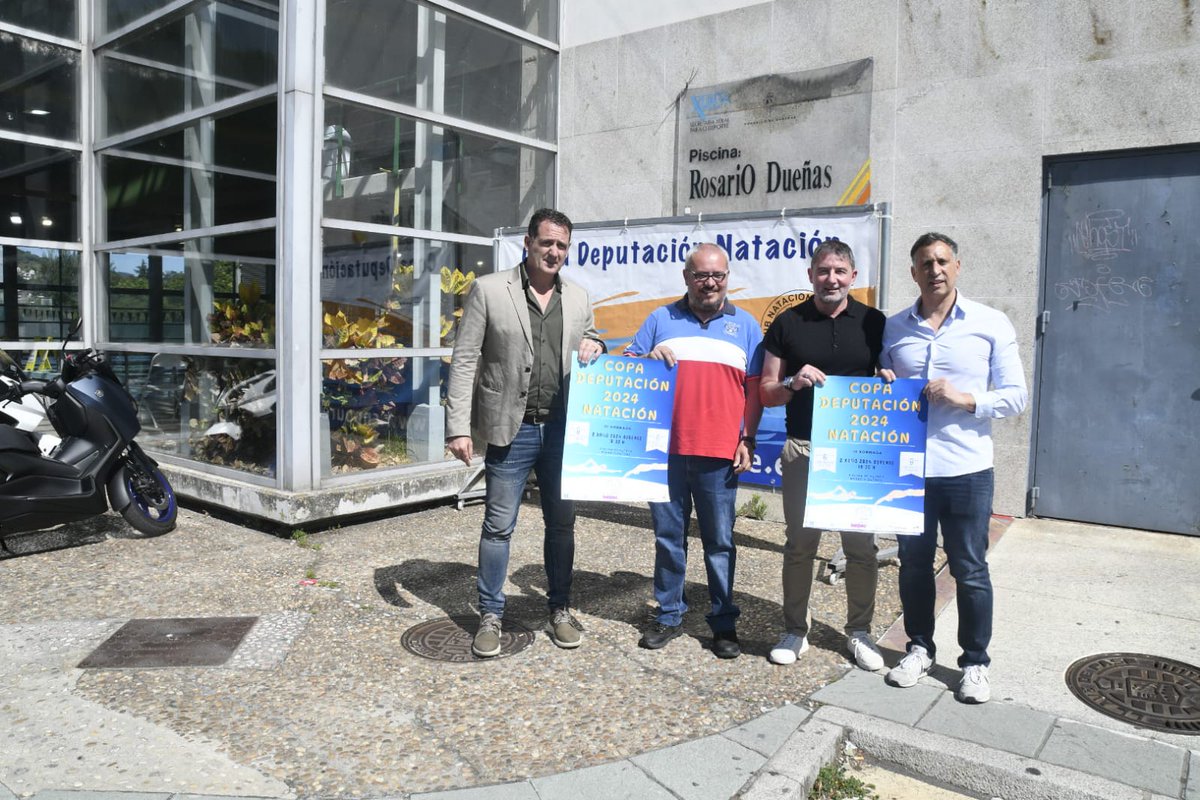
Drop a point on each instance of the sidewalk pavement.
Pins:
(321, 701)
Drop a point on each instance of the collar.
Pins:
(809, 311)
(727, 310)
(957, 311)
(525, 279)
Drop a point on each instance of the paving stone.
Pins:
(618, 781)
(1193, 785)
(6, 793)
(59, 794)
(768, 733)
(794, 767)
(712, 768)
(1128, 759)
(1006, 726)
(774, 786)
(866, 693)
(501, 791)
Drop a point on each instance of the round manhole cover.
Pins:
(449, 639)
(1157, 693)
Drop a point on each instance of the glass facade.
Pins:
(439, 125)
(156, 208)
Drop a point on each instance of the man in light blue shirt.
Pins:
(968, 354)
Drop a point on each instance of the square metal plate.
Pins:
(185, 642)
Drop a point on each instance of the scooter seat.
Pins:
(19, 456)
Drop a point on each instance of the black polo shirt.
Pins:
(848, 344)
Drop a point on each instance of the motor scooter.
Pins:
(97, 463)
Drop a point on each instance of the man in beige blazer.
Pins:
(508, 382)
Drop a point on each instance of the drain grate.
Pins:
(449, 639)
(182, 642)
(1161, 694)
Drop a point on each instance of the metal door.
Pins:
(1117, 420)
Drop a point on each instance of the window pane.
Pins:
(218, 291)
(539, 17)
(245, 138)
(212, 173)
(383, 412)
(39, 93)
(377, 47)
(217, 51)
(56, 17)
(113, 14)
(380, 291)
(391, 170)
(41, 292)
(39, 192)
(209, 409)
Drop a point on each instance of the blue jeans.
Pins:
(963, 506)
(711, 484)
(538, 448)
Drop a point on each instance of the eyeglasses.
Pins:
(701, 277)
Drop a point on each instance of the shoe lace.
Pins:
(562, 615)
(913, 660)
(490, 622)
(974, 674)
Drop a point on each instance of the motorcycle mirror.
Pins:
(73, 333)
(9, 366)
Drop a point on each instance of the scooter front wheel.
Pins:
(152, 509)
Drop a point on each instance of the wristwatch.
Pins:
(787, 383)
(750, 442)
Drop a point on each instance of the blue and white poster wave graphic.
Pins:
(618, 430)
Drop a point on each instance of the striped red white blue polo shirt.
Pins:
(715, 359)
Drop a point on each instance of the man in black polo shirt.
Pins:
(831, 333)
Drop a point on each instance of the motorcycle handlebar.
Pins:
(49, 388)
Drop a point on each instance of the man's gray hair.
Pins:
(833, 247)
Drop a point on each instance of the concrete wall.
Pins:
(969, 98)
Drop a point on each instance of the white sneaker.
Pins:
(865, 653)
(974, 687)
(914, 666)
(789, 649)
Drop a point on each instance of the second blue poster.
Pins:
(866, 471)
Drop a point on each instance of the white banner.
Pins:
(631, 270)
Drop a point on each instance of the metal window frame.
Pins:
(41, 36)
(183, 118)
(436, 118)
(463, 12)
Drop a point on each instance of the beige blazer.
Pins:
(493, 356)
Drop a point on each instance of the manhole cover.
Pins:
(184, 642)
(1157, 693)
(449, 639)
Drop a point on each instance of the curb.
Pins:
(965, 765)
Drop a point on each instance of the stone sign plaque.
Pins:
(800, 140)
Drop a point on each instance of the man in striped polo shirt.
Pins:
(716, 352)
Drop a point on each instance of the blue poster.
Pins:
(618, 430)
(867, 467)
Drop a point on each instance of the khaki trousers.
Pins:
(862, 566)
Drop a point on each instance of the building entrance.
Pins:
(1118, 369)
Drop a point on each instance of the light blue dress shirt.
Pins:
(976, 350)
